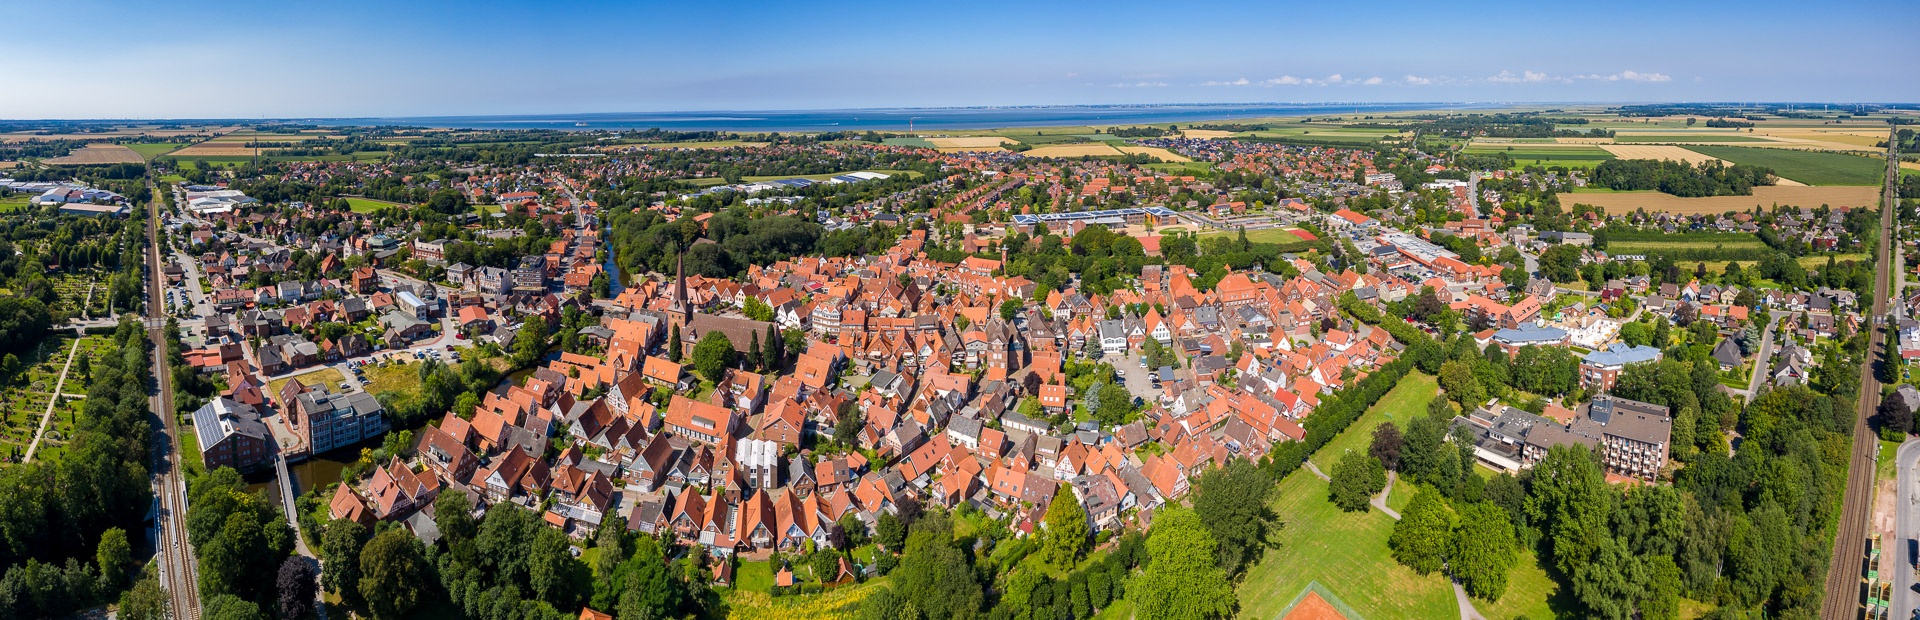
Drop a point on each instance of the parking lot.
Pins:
(1136, 378)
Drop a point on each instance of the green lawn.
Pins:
(16, 201)
(1345, 552)
(369, 205)
(400, 378)
(1531, 593)
(1810, 167)
(917, 142)
(150, 150)
(326, 377)
(1400, 406)
(1883, 468)
(1193, 168)
(1264, 235)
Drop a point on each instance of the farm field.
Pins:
(1154, 151)
(1196, 168)
(1763, 196)
(1572, 156)
(1810, 167)
(971, 142)
(150, 150)
(1728, 137)
(705, 144)
(1649, 151)
(16, 201)
(215, 148)
(96, 154)
(1097, 149)
(919, 142)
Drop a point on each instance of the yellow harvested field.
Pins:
(970, 149)
(212, 149)
(1655, 151)
(1163, 154)
(267, 137)
(1206, 134)
(970, 142)
(1764, 197)
(1910, 165)
(1100, 149)
(8, 164)
(1583, 140)
(99, 154)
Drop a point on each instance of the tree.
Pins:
(775, 350)
(230, 607)
(1066, 528)
(1009, 309)
(1635, 334)
(1355, 480)
(295, 587)
(757, 310)
(1387, 444)
(342, 542)
(1483, 549)
(712, 355)
(530, 343)
(1461, 385)
(113, 555)
(146, 601)
(1421, 536)
(673, 345)
(1182, 580)
(1232, 502)
(889, 532)
(1568, 499)
(846, 430)
(394, 573)
(555, 576)
(934, 576)
(1560, 263)
(754, 355)
(1895, 416)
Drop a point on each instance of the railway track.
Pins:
(1846, 584)
(176, 552)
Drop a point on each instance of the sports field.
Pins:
(369, 205)
(1764, 197)
(1810, 167)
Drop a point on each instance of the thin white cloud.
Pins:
(1414, 80)
(1140, 85)
(1628, 76)
(1525, 77)
(1285, 80)
(1238, 82)
(1372, 81)
(1334, 79)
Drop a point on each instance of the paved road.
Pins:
(1845, 585)
(55, 400)
(1761, 356)
(1904, 548)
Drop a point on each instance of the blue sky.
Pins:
(202, 59)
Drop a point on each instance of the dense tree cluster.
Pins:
(63, 523)
(1681, 178)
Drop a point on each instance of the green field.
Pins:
(1192, 168)
(1406, 401)
(16, 201)
(1524, 155)
(234, 160)
(1264, 235)
(915, 142)
(1810, 167)
(1689, 138)
(148, 151)
(369, 205)
(1347, 552)
(403, 379)
(325, 377)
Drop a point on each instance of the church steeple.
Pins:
(680, 305)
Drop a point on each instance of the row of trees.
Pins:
(1680, 178)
